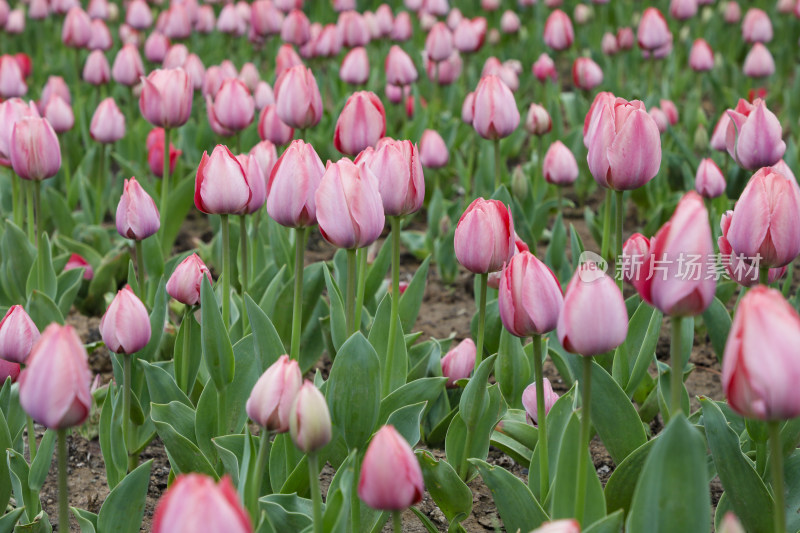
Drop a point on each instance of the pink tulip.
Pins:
(468, 108)
(537, 121)
(635, 251)
(128, 67)
(558, 32)
(582, 14)
(737, 266)
(402, 29)
(401, 183)
(753, 137)
(433, 150)
(270, 402)
(701, 57)
(137, 214)
(760, 369)
(653, 33)
(519, 247)
(37, 10)
(195, 503)
(625, 146)
(55, 86)
(11, 111)
(759, 62)
(484, 236)
(77, 28)
(54, 387)
(625, 38)
(660, 118)
(9, 371)
(400, 69)
(296, 28)
(683, 9)
(155, 153)
(221, 185)
(272, 128)
(195, 70)
(529, 401)
(355, 67)
(265, 18)
(468, 36)
(529, 296)
(187, 278)
(495, 113)
(593, 320)
(493, 67)
(677, 277)
(384, 19)
(756, 26)
(349, 206)
(35, 150)
(292, 186)
(310, 420)
(100, 36)
(96, 70)
(709, 181)
(12, 82)
(329, 42)
(544, 68)
(361, 123)
(250, 77)
(297, 97)
(166, 99)
(559, 526)
(263, 95)
(353, 29)
(125, 326)
(108, 122)
(391, 478)
(256, 181)
(609, 44)
(719, 135)
(18, 334)
(233, 107)
(230, 22)
(138, 15)
(559, 166)
(732, 12)
(15, 24)
(155, 47)
(586, 74)
(670, 111)
(266, 155)
(459, 362)
(439, 43)
(509, 22)
(76, 261)
(177, 22)
(444, 72)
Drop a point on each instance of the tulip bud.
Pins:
(720, 133)
(292, 186)
(459, 362)
(137, 214)
(221, 185)
(361, 123)
(272, 128)
(18, 334)
(77, 28)
(509, 22)
(155, 152)
(108, 122)
(12, 82)
(187, 278)
(297, 98)
(756, 26)
(166, 99)
(266, 156)
(529, 401)
(401, 183)
(701, 141)
(468, 108)
(709, 181)
(759, 62)
(468, 35)
(559, 166)
(484, 236)
(101, 36)
(96, 70)
(402, 29)
(439, 43)
(296, 28)
(309, 420)
(35, 150)
(400, 69)
(701, 57)
(125, 326)
(195, 503)
(558, 32)
(519, 183)
(609, 44)
(559, 526)
(738, 268)
(355, 67)
(732, 12)
(233, 106)
(495, 113)
(545, 68)
(391, 478)
(273, 395)
(586, 74)
(54, 387)
(660, 118)
(433, 150)
(653, 33)
(730, 524)
(537, 121)
(529, 297)
(128, 67)
(76, 261)
(59, 114)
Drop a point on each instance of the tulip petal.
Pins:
(635, 153)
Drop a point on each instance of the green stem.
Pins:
(761, 457)
(583, 444)
(350, 298)
(258, 472)
(226, 271)
(187, 339)
(99, 186)
(387, 370)
(481, 319)
(676, 360)
(297, 307)
(355, 502)
(541, 422)
(140, 271)
(16, 199)
(37, 202)
(126, 407)
(763, 276)
(498, 166)
(31, 439)
(397, 523)
(165, 247)
(243, 245)
(31, 222)
(776, 462)
(361, 284)
(606, 244)
(316, 494)
(63, 495)
(618, 254)
(65, 166)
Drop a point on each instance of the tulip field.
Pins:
(361, 266)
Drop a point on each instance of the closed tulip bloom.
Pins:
(444, 72)
(609, 44)
(529, 296)
(155, 153)
(12, 82)
(709, 181)
(719, 136)
(37, 10)
(355, 67)
(756, 26)
(296, 28)
(495, 113)
(249, 76)
(195, 70)
(484, 236)
(187, 278)
(670, 111)
(15, 24)
(176, 56)
(558, 32)
(509, 22)
(537, 121)
(270, 402)
(18, 334)
(732, 12)
(265, 18)
(459, 362)
(263, 95)
(100, 36)
(559, 166)
(625, 149)
(310, 420)
(11, 111)
(297, 98)
(128, 67)
(625, 38)
(635, 251)
(108, 122)
(272, 128)
(229, 21)
(155, 47)
(77, 28)
(177, 22)
(468, 108)
(35, 150)
(683, 9)
(138, 15)
(195, 503)
(433, 150)
(678, 278)
(384, 19)
(288, 5)
(760, 368)
(402, 29)
(233, 106)
(166, 99)
(753, 137)
(530, 405)
(353, 29)
(593, 319)
(349, 206)
(59, 114)
(586, 74)
(660, 119)
(544, 68)
(493, 67)
(125, 326)
(759, 62)
(292, 186)
(55, 86)
(128, 35)
(361, 123)
(739, 268)
(266, 155)
(54, 387)
(400, 69)
(401, 183)
(221, 185)
(439, 43)
(256, 181)
(653, 32)
(559, 526)
(701, 57)
(601, 100)
(137, 215)
(391, 478)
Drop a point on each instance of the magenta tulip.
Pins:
(35, 150)
(195, 503)
(391, 478)
(545, 68)
(529, 401)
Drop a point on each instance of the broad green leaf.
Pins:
(338, 321)
(41, 464)
(425, 389)
(406, 421)
(217, 348)
(411, 299)
(184, 455)
(379, 339)
(267, 342)
(620, 486)
(610, 524)
(123, 509)
(718, 324)
(614, 416)
(451, 494)
(515, 503)
(512, 369)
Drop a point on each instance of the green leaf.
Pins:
(283, 458)
(425, 389)
(407, 420)
(184, 455)
(161, 385)
(426, 522)
(338, 319)
(179, 203)
(451, 494)
(379, 339)
(411, 299)
(620, 486)
(281, 518)
(69, 283)
(610, 524)
(49, 285)
(475, 395)
(672, 492)
(746, 491)
(639, 346)
(217, 348)
(515, 503)
(353, 390)
(43, 310)
(614, 416)
(123, 509)
(110, 436)
(267, 342)
(157, 318)
(718, 324)
(512, 371)
(456, 441)
(41, 464)
(10, 519)
(187, 355)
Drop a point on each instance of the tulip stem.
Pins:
(498, 166)
(387, 370)
(316, 494)
(606, 244)
(30, 215)
(776, 462)
(257, 474)
(481, 319)
(355, 502)
(140, 268)
(583, 443)
(297, 308)
(31, 438)
(245, 268)
(226, 271)
(165, 186)
(63, 496)
(676, 359)
(618, 254)
(541, 422)
(98, 206)
(397, 522)
(763, 276)
(37, 202)
(361, 284)
(350, 298)
(15, 198)
(126, 410)
(183, 379)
